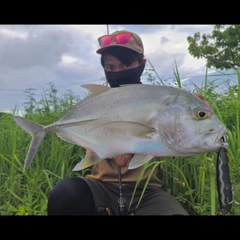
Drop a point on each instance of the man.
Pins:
(122, 57)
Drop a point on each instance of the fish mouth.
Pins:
(217, 140)
(223, 142)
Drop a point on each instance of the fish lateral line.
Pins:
(67, 123)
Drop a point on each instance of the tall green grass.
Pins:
(25, 193)
(192, 180)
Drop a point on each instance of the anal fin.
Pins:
(87, 162)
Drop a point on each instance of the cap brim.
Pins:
(101, 50)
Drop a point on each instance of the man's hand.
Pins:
(202, 98)
(121, 161)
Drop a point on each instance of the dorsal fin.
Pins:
(95, 88)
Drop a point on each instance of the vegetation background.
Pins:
(192, 180)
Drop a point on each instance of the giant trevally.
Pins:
(140, 119)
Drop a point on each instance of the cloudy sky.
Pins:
(32, 56)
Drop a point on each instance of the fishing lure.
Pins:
(224, 185)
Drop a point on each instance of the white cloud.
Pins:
(66, 59)
(9, 31)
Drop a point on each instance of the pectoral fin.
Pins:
(126, 129)
(139, 160)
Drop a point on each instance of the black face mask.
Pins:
(130, 76)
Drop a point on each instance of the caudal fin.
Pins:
(37, 133)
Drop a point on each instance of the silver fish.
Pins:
(144, 120)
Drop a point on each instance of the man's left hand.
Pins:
(198, 94)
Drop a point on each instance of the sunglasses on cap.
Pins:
(121, 38)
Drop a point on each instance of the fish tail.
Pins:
(37, 133)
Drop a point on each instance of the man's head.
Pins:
(121, 38)
(122, 57)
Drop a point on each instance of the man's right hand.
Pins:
(121, 161)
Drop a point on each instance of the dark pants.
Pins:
(85, 196)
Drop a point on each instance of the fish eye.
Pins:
(201, 114)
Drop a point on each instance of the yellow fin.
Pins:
(87, 162)
(139, 160)
(95, 88)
